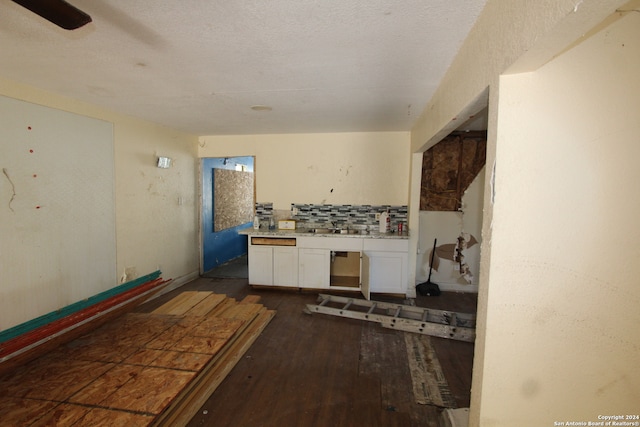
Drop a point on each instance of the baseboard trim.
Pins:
(455, 417)
(448, 287)
(176, 283)
(452, 287)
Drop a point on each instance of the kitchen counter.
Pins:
(327, 259)
(300, 232)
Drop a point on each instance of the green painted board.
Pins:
(30, 325)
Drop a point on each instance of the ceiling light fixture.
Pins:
(261, 108)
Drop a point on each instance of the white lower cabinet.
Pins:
(260, 265)
(388, 265)
(285, 266)
(380, 265)
(313, 268)
(387, 272)
(273, 266)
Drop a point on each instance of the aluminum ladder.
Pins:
(438, 323)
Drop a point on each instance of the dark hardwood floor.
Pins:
(318, 370)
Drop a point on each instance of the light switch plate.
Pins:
(164, 162)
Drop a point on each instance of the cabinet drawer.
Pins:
(331, 242)
(273, 241)
(388, 245)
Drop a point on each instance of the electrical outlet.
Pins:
(377, 216)
(130, 273)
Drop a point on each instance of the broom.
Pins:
(428, 288)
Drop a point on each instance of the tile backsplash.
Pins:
(357, 216)
(264, 211)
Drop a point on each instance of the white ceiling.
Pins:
(199, 65)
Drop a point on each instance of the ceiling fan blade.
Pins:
(59, 12)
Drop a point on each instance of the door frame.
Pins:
(205, 211)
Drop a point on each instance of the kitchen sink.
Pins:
(348, 231)
(322, 230)
(335, 231)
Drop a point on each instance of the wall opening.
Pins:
(228, 201)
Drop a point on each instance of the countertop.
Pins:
(299, 232)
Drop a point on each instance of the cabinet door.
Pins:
(388, 272)
(260, 265)
(285, 266)
(313, 268)
(365, 279)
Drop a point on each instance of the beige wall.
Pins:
(156, 209)
(557, 294)
(332, 168)
(153, 230)
(562, 329)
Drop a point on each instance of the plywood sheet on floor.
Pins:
(130, 370)
(205, 306)
(68, 415)
(182, 303)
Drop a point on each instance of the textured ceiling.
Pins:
(199, 65)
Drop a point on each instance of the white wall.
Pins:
(516, 34)
(332, 168)
(520, 35)
(58, 212)
(446, 227)
(562, 336)
(153, 231)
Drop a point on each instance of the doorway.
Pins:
(444, 228)
(451, 210)
(227, 206)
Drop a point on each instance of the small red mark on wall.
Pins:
(31, 151)
(38, 207)
(29, 127)
(35, 176)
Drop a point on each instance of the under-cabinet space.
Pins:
(345, 269)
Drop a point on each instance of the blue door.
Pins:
(219, 247)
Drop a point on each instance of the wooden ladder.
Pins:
(439, 323)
